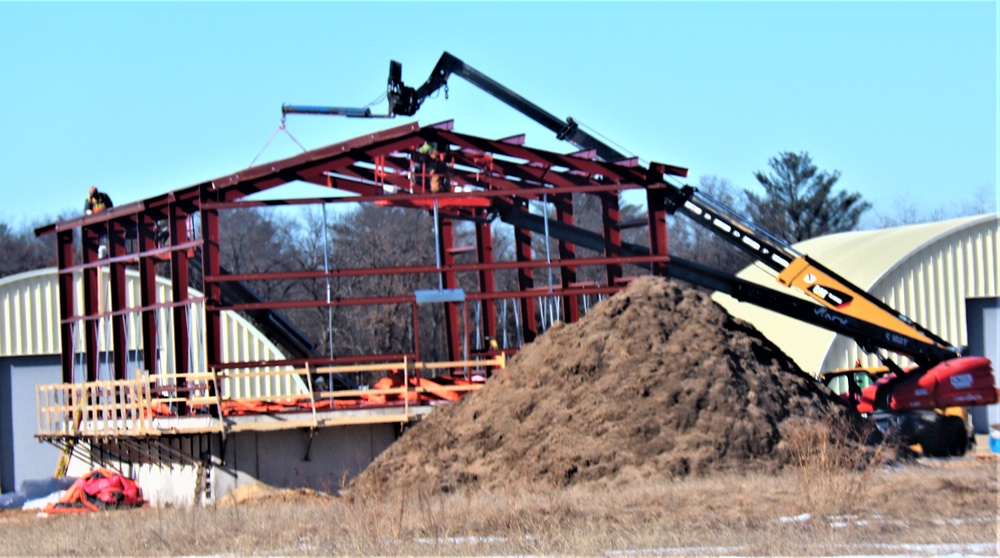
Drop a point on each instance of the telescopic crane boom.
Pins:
(405, 101)
(844, 307)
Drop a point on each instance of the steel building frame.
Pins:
(484, 179)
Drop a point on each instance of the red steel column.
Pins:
(487, 277)
(610, 218)
(446, 227)
(657, 215)
(91, 242)
(147, 290)
(177, 217)
(211, 265)
(525, 282)
(567, 252)
(116, 247)
(64, 259)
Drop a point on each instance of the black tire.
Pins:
(958, 438)
(935, 440)
(938, 435)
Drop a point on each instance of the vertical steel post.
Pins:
(416, 332)
(450, 279)
(525, 282)
(567, 252)
(177, 217)
(487, 277)
(91, 244)
(438, 245)
(329, 298)
(64, 259)
(211, 266)
(147, 291)
(610, 217)
(657, 215)
(116, 247)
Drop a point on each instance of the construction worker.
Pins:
(96, 202)
(432, 167)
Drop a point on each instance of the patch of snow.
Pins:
(964, 520)
(681, 551)
(461, 540)
(40, 503)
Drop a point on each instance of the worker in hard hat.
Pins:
(97, 201)
(431, 167)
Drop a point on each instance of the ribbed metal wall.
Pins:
(30, 326)
(931, 284)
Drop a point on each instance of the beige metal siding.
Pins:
(937, 278)
(30, 326)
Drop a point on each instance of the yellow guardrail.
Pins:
(110, 408)
(122, 408)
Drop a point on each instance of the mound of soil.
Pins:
(656, 381)
(260, 492)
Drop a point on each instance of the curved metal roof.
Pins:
(925, 271)
(29, 324)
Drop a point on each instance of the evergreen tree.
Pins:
(799, 202)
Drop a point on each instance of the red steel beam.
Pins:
(513, 191)
(423, 269)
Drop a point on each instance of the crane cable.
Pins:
(281, 128)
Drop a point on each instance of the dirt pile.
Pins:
(657, 381)
(260, 492)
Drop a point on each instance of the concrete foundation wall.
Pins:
(288, 459)
(283, 459)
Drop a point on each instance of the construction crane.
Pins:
(894, 397)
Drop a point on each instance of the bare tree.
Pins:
(692, 241)
(21, 250)
(257, 240)
(905, 211)
(381, 237)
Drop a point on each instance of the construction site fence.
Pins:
(128, 408)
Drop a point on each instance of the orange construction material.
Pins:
(464, 201)
(99, 489)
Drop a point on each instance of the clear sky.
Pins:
(140, 99)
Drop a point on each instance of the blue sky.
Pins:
(141, 98)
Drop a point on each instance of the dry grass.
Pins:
(833, 470)
(927, 502)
